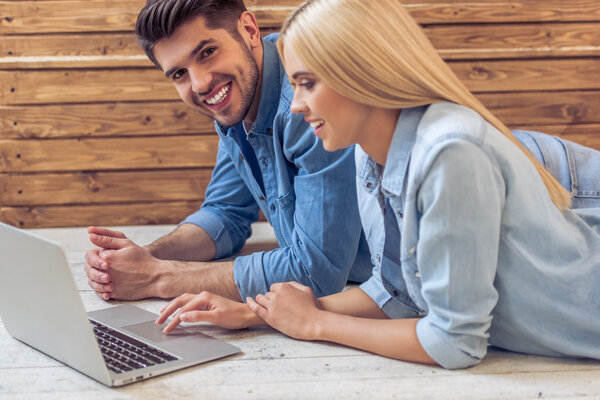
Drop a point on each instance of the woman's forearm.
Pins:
(394, 338)
(354, 302)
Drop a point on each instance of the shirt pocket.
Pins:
(287, 200)
(584, 164)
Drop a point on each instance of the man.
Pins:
(268, 159)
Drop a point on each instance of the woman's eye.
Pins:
(306, 84)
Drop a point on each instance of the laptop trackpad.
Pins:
(153, 332)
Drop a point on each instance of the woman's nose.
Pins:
(298, 105)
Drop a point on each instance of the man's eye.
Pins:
(208, 52)
(178, 74)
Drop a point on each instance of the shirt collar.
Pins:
(270, 92)
(398, 157)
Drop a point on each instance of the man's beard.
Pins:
(247, 88)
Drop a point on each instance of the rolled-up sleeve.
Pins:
(461, 200)
(228, 209)
(324, 232)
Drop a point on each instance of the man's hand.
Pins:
(208, 307)
(120, 269)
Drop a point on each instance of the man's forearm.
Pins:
(180, 277)
(187, 242)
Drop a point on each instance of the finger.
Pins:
(93, 258)
(298, 285)
(106, 232)
(258, 309)
(104, 296)
(198, 316)
(109, 242)
(172, 306)
(262, 300)
(100, 288)
(96, 275)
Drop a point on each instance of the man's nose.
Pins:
(200, 80)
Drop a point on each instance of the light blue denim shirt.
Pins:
(474, 245)
(309, 198)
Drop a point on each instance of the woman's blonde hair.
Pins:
(375, 53)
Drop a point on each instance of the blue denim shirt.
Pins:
(473, 244)
(308, 198)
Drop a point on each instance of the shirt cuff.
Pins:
(215, 228)
(375, 290)
(249, 275)
(443, 349)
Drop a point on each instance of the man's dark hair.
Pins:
(160, 18)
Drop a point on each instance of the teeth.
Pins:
(316, 124)
(219, 97)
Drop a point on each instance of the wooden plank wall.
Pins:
(91, 133)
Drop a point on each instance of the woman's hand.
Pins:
(291, 308)
(208, 307)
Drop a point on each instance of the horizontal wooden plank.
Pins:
(453, 41)
(139, 84)
(150, 213)
(25, 17)
(74, 86)
(497, 11)
(544, 108)
(77, 50)
(108, 154)
(529, 75)
(104, 119)
(103, 187)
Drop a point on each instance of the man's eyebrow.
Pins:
(196, 50)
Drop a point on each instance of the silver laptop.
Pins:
(40, 306)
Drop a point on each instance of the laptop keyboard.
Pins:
(123, 353)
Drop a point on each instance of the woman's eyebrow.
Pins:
(301, 73)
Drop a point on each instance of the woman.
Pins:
(472, 240)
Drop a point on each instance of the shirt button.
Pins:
(270, 131)
(264, 162)
(261, 198)
(273, 208)
(412, 250)
(395, 293)
(378, 258)
(369, 185)
(417, 274)
(242, 157)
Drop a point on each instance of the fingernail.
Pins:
(104, 266)
(105, 278)
(183, 317)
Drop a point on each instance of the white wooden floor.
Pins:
(273, 366)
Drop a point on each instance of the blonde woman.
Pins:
(473, 242)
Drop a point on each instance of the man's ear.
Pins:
(248, 28)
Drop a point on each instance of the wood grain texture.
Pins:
(454, 42)
(51, 16)
(101, 119)
(88, 124)
(103, 187)
(107, 154)
(138, 84)
(141, 213)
